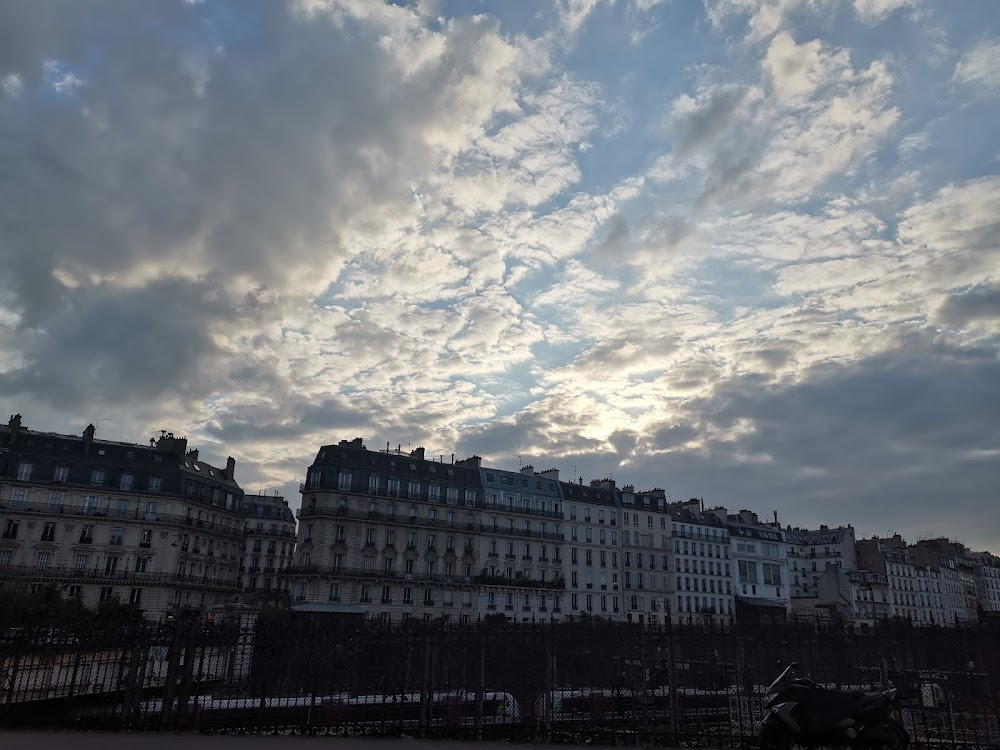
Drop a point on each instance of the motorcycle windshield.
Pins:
(774, 686)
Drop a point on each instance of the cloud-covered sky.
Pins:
(746, 250)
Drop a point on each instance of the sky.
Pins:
(743, 250)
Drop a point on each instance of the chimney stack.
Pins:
(15, 426)
(88, 438)
(417, 453)
(230, 472)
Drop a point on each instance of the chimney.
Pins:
(193, 454)
(88, 438)
(230, 471)
(15, 426)
(167, 442)
(528, 469)
(473, 462)
(417, 453)
(581, 481)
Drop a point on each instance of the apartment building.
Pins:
(918, 591)
(593, 582)
(810, 552)
(941, 564)
(760, 561)
(394, 533)
(987, 581)
(702, 566)
(647, 550)
(268, 548)
(152, 525)
(522, 543)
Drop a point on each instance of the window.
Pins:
(772, 574)
(10, 529)
(19, 499)
(366, 593)
(344, 481)
(97, 476)
(334, 592)
(49, 532)
(428, 597)
(87, 534)
(126, 482)
(42, 560)
(155, 484)
(748, 572)
(142, 564)
(372, 485)
(111, 564)
(23, 472)
(117, 535)
(61, 474)
(452, 496)
(107, 593)
(470, 498)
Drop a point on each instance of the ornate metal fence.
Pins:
(692, 685)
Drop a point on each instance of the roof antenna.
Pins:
(97, 423)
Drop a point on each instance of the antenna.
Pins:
(97, 423)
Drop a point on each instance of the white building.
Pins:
(593, 581)
(760, 561)
(647, 550)
(703, 575)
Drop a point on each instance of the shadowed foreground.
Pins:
(101, 741)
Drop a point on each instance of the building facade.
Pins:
(810, 552)
(647, 551)
(594, 573)
(394, 533)
(521, 543)
(151, 525)
(760, 561)
(702, 567)
(988, 582)
(268, 548)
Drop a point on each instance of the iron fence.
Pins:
(606, 683)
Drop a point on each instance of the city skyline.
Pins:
(741, 250)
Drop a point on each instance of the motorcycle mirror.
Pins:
(794, 665)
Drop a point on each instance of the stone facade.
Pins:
(151, 525)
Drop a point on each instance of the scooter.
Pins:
(803, 713)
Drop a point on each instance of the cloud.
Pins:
(980, 66)
(978, 303)
(873, 12)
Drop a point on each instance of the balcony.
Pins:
(63, 509)
(121, 577)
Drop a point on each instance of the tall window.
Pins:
(155, 484)
(23, 472)
(126, 481)
(19, 499)
(97, 476)
(344, 481)
(61, 474)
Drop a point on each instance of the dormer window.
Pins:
(97, 476)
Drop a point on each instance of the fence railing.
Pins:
(572, 682)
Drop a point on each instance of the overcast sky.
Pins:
(742, 250)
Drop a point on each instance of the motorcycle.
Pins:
(803, 713)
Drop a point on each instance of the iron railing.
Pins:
(580, 682)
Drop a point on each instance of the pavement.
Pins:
(129, 741)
